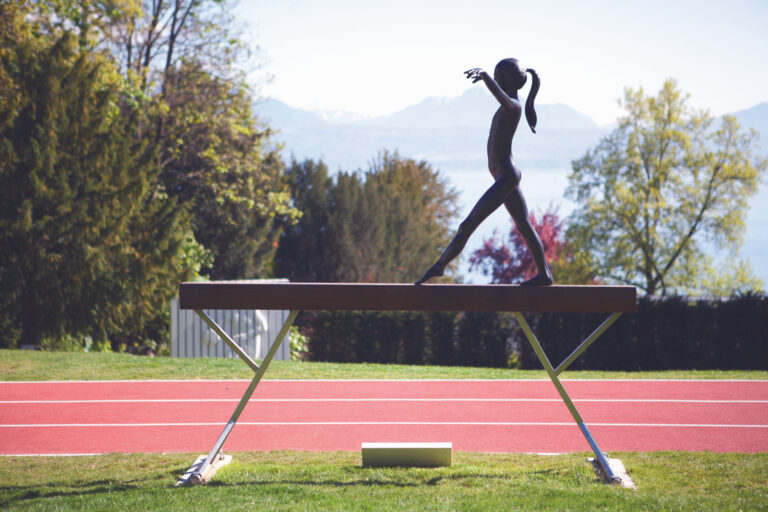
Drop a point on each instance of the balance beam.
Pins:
(407, 297)
(518, 299)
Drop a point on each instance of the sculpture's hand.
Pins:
(474, 74)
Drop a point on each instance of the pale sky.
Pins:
(377, 57)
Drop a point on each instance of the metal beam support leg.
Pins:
(260, 370)
(587, 342)
(599, 455)
(229, 341)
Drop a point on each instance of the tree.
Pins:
(215, 157)
(403, 221)
(509, 262)
(182, 62)
(660, 184)
(386, 224)
(147, 39)
(88, 245)
(165, 78)
(304, 252)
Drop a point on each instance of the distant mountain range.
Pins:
(757, 118)
(450, 133)
(473, 108)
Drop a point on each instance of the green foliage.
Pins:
(412, 208)
(659, 185)
(147, 39)
(306, 251)
(574, 267)
(140, 161)
(64, 343)
(69, 343)
(724, 278)
(215, 159)
(299, 344)
(91, 21)
(178, 63)
(387, 224)
(89, 246)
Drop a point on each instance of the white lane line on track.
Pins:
(353, 423)
(301, 400)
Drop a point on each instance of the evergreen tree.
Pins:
(386, 224)
(88, 243)
(405, 218)
(305, 251)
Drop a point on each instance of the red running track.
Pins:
(484, 416)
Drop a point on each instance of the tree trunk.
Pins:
(650, 287)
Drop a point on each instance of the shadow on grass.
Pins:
(85, 488)
(397, 481)
(327, 483)
(14, 495)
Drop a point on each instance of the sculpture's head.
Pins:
(509, 75)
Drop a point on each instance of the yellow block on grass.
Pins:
(407, 454)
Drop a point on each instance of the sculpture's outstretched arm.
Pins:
(510, 104)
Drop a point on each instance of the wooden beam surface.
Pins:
(407, 297)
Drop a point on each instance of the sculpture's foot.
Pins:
(539, 280)
(435, 270)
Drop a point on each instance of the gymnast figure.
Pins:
(508, 77)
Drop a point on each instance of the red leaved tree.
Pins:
(510, 262)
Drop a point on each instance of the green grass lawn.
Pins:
(299, 481)
(336, 481)
(28, 365)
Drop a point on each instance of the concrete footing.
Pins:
(406, 454)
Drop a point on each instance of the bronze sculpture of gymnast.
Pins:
(508, 77)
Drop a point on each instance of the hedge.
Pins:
(439, 338)
(665, 333)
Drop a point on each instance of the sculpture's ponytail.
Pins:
(530, 112)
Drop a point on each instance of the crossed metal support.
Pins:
(600, 457)
(553, 373)
(198, 475)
